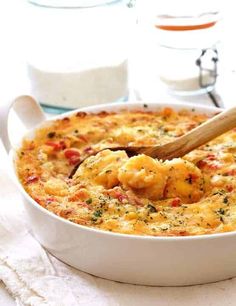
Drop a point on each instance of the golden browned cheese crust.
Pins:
(193, 195)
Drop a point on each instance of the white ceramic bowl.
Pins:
(164, 261)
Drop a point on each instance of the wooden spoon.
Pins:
(198, 136)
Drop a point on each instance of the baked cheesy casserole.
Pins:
(193, 195)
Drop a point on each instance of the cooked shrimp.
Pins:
(185, 181)
(102, 168)
(145, 175)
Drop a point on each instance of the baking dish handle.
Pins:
(28, 110)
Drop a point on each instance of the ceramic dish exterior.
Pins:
(156, 261)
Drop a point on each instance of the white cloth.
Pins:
(34, 277)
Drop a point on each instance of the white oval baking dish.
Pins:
(162, 261)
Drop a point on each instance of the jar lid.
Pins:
(73, 3)
(181, 24)
(188, 31)
(188, 22)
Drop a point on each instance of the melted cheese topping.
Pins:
(193, 195)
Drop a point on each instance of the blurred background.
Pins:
(75, 53)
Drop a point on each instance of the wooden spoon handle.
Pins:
(200, 135)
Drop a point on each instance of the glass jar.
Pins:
(181, 41)
(78, 51)
(187, 52)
